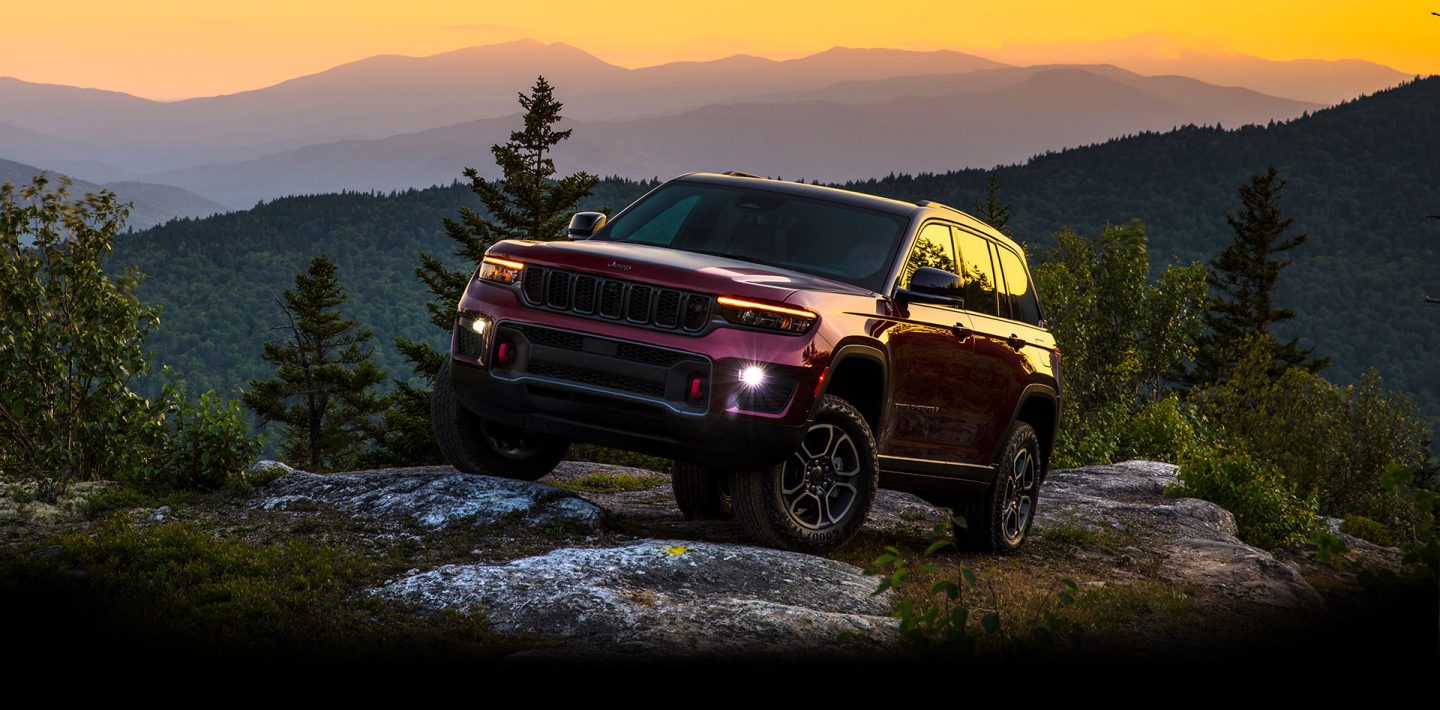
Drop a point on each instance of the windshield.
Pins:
(849, 244)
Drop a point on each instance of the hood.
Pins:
(674, 268)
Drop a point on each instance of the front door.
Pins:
(936, 411)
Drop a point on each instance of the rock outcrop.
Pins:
(433, 497)
(675, 598)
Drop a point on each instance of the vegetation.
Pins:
(175, 589)
(322, 391)
(612, 483)
(1123, 336)
(71, 345)
(1243, 282)
(1268, 511)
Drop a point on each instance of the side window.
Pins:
(1018, 289)
(662, 228)
(978, 273)
(934, 249)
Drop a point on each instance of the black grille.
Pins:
(637, 307)
(769, 398)
(557, 291)
(614, 299)
(533, 284)
(585, 294)
(467, 341)
(667, 309)
(596, 378)
(620, 366)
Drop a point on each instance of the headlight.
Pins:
(769, 316)
(752, 376)
(500, 271)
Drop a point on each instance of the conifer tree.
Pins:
(322, 394)
(527, 202)
(1242, 283)
(994, 212)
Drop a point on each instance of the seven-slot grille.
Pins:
(614, 299)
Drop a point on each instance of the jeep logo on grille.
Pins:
(620, 266)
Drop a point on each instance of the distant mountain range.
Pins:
(392, 122)
(151, 204)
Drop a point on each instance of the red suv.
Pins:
(791, 347)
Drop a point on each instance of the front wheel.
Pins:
(817, 499)
(1000, 520)
(473, 445)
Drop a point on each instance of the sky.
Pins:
(170, 49)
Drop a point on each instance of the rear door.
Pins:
(935, 411)
(995, 285)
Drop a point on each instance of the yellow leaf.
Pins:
(677, 550)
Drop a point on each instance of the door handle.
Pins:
(959, 330)
(1016, 342)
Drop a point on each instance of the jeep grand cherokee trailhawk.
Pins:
(791, 347)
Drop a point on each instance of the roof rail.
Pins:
(737, 173)
(932, 203)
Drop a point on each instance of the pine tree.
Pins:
(994, 212)
(1242, 283)
(322, 392)
(527, 202)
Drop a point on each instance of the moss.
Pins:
(1368, 530)
(175, 589)
(617, 457)
(611, 483)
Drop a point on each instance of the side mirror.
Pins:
(584, 224)
(933, 286)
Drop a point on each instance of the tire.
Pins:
(796, 520)
(472, 445)
(701, 492)
(1000, 519)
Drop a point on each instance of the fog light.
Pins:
(752, 376)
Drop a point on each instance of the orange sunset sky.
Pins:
(179, 48)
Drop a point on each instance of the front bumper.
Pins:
(629, 388)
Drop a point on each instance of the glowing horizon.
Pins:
(167, 50)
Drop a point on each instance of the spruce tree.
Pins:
(994, 212)
(1242, 283)
(527, 202)
(322, 394)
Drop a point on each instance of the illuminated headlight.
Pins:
(500, 271)
(478, 325)
(770, 316)
(752, 376)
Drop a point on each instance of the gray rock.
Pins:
(268, 466)
(1190, 541)
(161, 514)
(434, 497)
(668, 597)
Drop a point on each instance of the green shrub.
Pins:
(1268, 511)
(1335, 441)
(1367, 530)
(198, 444)
(70, 340)
(618, 457)
(1162, 430)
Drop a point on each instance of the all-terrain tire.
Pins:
(766, 501)
(1000, 519)
(701, 492)
(472, 445)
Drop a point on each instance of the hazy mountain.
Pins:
(969, 120)
(151, 204)
(386, 95)
(1315, 80)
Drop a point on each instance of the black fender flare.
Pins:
(864, 351)
(1043, 391)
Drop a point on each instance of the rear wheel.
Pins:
(471, 444)
(1000, 520)
(701, 492)
(817, 499)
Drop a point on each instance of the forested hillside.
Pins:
(1363, 178)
